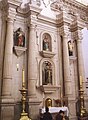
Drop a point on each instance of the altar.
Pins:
(55, 110)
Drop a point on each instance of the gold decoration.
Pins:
(81, 81)
(83, 111)
(23, 79)
(48, 102)
(24, 115)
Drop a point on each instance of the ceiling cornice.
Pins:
(76, 4)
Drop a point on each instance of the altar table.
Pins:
(56, 110)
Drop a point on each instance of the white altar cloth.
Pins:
(55, 110)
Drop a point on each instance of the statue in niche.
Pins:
(46, 43)
(19, 38)
(70, 48)
(47, 73)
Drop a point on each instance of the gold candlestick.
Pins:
(23, 78)
(24, 115)
(81, 81)
(83, 111)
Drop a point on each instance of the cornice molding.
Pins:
(73, 3)
(73, 9)
(76, 4)
(57, 6)
(34, 9)
(9, 7)
(46, 19)
(77, 25)
(12, 3)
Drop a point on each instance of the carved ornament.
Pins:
(19, 50)
(47, 54)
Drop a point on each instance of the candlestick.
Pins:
(83, 111)
(81, 81)
(24, 115)
(23, 80)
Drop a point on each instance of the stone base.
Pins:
(6, 109)
(7, 112)
(34, 104)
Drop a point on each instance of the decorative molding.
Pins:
(49, 88)
(73, 58)
(36, 3)
(47, 54)
(23, 10)
(57, 6)
(19, 50)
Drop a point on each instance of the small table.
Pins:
(54, 111)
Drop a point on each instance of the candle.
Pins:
(23, 76)
(17, 65)
(81, 81)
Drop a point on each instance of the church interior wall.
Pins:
(53, 89)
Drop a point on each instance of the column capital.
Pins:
(11, 13)
(78, 35)
(77, 24)
(33, 26)
(64, 30)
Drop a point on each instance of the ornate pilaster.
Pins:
(7, 74)
(79, 53)
(32, 62)
(77, 27)
(32, 73)
(2, 41)
(67, 77)
(64, 23)
(67, 81)
(7, 71)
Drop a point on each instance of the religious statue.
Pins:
(46, 43)
(47, 73)
(19, 38)
(70, 48)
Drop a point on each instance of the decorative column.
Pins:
(2, 41)
(79, 53)
(64, 32)
(7, 112)
(32, 63)
(78, 25)
(7, 73)
(81, 71)
(32, 74)
(67, 81)
(34, 102)
(32, 52)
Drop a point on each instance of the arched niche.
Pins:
(47, 73)
(50, 86)
(46, 42)
(47, 63)
(46, 45)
